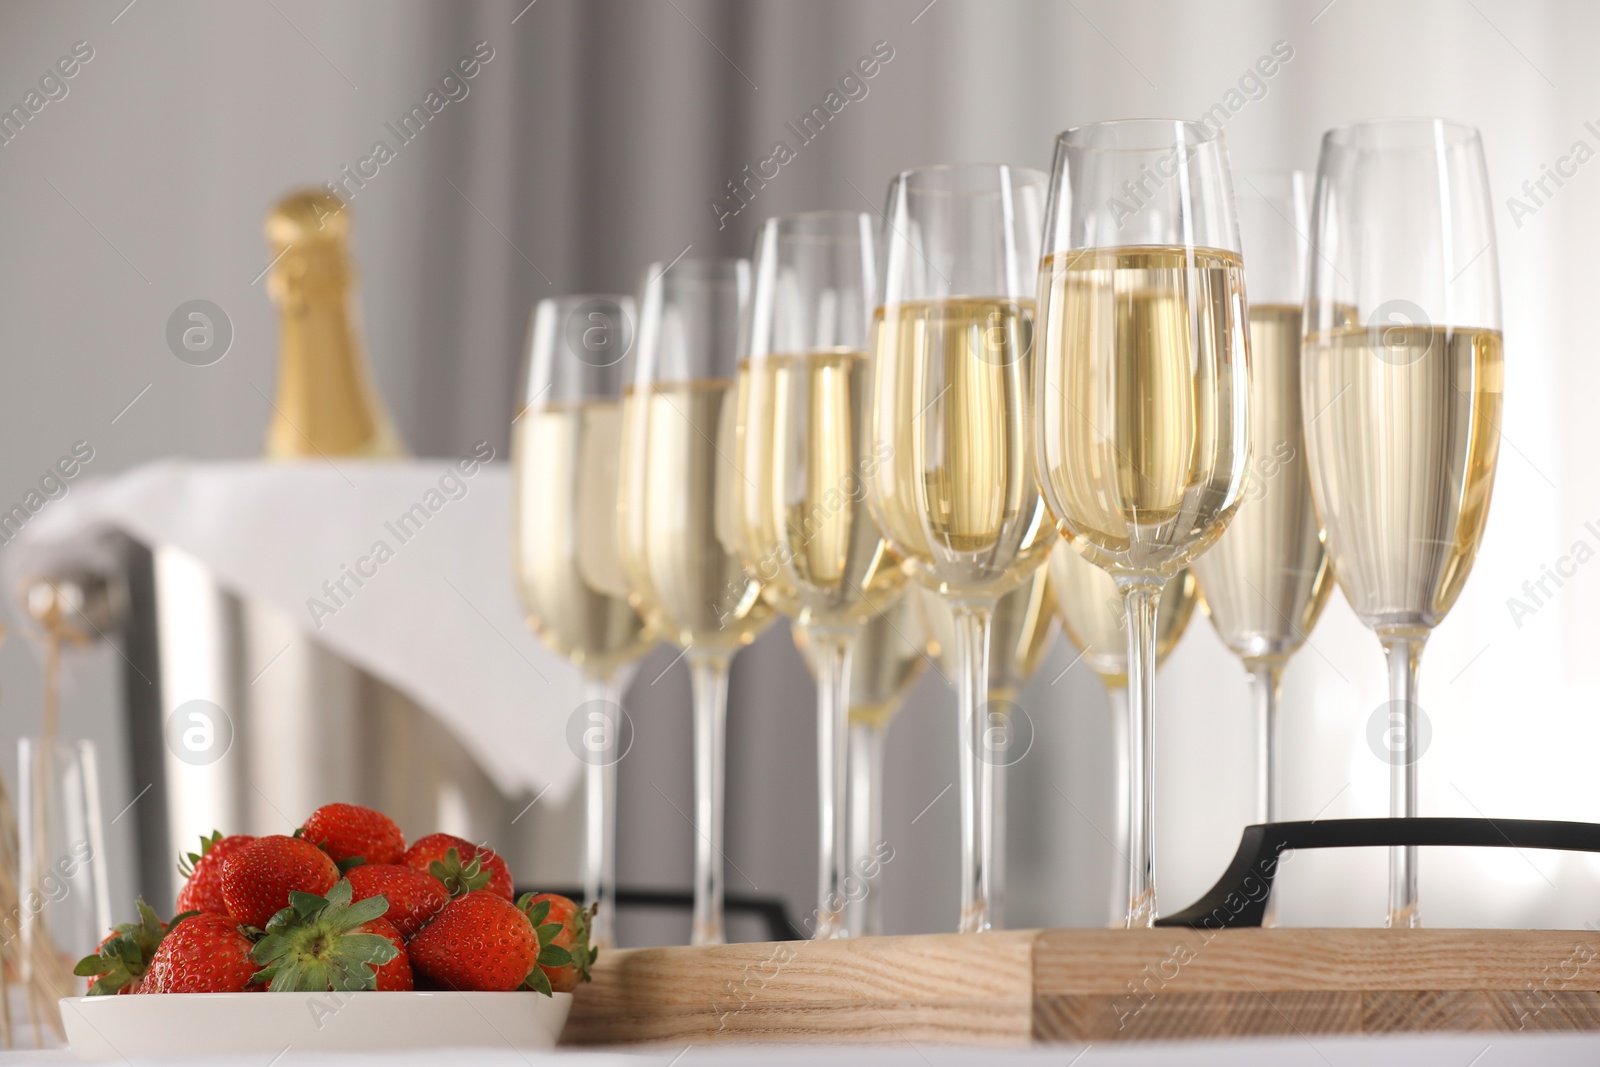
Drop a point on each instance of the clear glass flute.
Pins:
(676, 508)
(801, 514)
(891, 653)
(1096, 623)
(1266, 579)
(1401, 371)
(63, 906)
(1020, 633)
(1141, 394)
(954, 490)
(565, 445)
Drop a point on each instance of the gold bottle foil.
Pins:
(326, 403)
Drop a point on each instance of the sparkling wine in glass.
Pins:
(1267, 578)
(801, 513)
(1020, 634)
(677, 516)
(1401, 379)
(954, 491)
(566, 443)
(1141, 390)
(1095, 621)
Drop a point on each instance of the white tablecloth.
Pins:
(1436, 1050)
(437, 617)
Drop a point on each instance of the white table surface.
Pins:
(1426, 1050)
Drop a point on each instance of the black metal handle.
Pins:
(1240, 896)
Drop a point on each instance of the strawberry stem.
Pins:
(310, 946)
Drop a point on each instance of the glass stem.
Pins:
(1121, 867)
(1266, 688)
(1141, 597)
(600, 806)
(975, 774)
(1403, 654)
(865, 908)
(708, 677)
(997, 737)
(830, 653)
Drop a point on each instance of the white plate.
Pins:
(167, 1024)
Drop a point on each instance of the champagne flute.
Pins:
(1020, 633)
(1141, 395)
(676, 514)
(801, 513)
(1096, 623)
(954, 491)
(1402, 374)
(891, 652)
(1266, 579)
(565, 447)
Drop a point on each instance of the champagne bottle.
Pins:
(326, 404)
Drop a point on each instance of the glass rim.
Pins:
(821, 226)
(1075, 138)
(570, 299)
(1277, 174)
(814, 215)
(706, 269)
(1349, 134)
(907, 178)
(55, 742)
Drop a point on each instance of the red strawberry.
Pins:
(121, 961)
(258, 878)
(480, 941)
(349, 831)
(572, 934)
(322, 943)
(203, 869)
(436, 848)
(205, 953)
(394, 976)
(414, 897)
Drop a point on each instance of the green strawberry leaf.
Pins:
(538, 913)
(310, 948)
(459, 879)
(347, 865)
(554, 956)
(274, 946)
(368, 948)
(148, 919)
(187, 862)
(89, 967)
(350, 916)
(125, 955)
(538, 981)
(302, 903)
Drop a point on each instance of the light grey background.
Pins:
(592, 144)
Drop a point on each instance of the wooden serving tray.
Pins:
(1040, 986)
